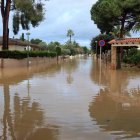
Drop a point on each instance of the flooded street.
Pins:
(75, 100)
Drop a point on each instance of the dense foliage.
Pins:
(25, 54)
(108, 14)
(27, 12)
(69, 48)
(132, 56)
(36, 41)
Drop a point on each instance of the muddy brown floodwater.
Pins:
(75, 100)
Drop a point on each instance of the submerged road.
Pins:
(70, 101)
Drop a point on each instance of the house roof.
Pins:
(125, 41)
(20, 42)
(14, 42)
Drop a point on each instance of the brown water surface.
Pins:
(75, 100)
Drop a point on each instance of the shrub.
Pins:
(58, 51)
(133, 57)
(25, 54)
(65, 51)
(132, 52)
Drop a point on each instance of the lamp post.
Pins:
(28, 34)
(96, 49)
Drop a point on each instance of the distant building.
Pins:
(16, 44)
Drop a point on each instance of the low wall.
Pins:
(12, 63)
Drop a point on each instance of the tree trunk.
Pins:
(5, 11)
(122, 30)
(5, 34)
(70, 38)
(122, 33)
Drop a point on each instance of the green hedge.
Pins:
(25, 54)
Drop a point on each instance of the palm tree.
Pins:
(70, 33)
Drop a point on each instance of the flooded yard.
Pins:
(75, 100)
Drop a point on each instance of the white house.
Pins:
(16, 44)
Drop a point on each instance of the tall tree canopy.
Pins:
(70, 33)
(108, 14)
(26, 13)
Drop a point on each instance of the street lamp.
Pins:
(28, 34)
(96, 49)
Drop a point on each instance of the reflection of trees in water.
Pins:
(25, 120)
(7, 119)
(119, 114)
(69, 79)
(116, 80)
(95, 73)
(106, 74)
(28, 116)
(116, 108)
(13, 76)
(70, 67)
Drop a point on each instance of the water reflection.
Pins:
(120, 115)
(116, 108)
(14, 76)
(69, 101)
(7, 119)
(23, 119)
(70, 68)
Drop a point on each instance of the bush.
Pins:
(65, 51)
(133, 57)
(13, 54)
(132, 52)
(25, 54)
(136, 59)
(58, 51)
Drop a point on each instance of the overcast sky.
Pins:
(62, 15)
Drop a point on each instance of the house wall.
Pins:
(15, 47)
(20, 48)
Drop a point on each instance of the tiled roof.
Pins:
(13, 41)
(125, 40)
